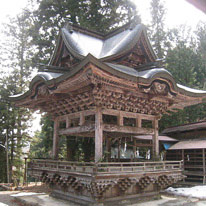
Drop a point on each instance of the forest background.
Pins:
(30, 39)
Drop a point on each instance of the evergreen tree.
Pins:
(157, 30)
(41, 144)
(201, 53)
(183, 61)
(97, 15)
(14, 122)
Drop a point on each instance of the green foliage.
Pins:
(157, 30)
(201, 52)
(14, 122)
(182, 62)
(41, 144)
(185, 60)
(3, 165)
(98, 15)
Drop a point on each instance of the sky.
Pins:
(178, 12)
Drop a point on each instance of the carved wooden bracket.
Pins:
(158, 88)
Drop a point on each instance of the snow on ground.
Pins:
(2, 204)
(197, 191)
(26, 194)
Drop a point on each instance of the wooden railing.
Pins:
(104, 167)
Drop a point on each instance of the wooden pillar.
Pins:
(134, 148)
(155, 139)
(119, 149)
(56, 139)
(204, 169)
(82, 119)
(139, 122)
(183, 155)
(68, 122)
(108, 148)
(120, 119)
(98, 135)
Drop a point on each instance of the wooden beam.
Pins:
(127, 129)
(77, 130)
(128, 114)
(143, 145)
(77, 114)
(155, 139)
(98, 135)
(55, 139)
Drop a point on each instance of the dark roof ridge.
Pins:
(130, 25)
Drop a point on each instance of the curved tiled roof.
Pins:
(80, 43)
(106, 53)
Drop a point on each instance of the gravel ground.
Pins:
(7, 200)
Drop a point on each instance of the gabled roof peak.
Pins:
(74, 27)
(80, 42)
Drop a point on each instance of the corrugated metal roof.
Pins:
(161, 138)
(189, 144)
(185, 127)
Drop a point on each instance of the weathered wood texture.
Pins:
(98, 135)
(99, 182)
(155, 139)
(194, 163)
(105, 167)
(56, 139)
(127, 129)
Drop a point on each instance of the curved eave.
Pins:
(57, 47)
(41, 77)
(190, 92)
(154, 75)
(73, 52)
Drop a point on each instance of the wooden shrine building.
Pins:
(191, 148)
(105, 87)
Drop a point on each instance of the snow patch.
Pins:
(2, 204)
(26, 194)
(196, 192)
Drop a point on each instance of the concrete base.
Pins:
(117, 201)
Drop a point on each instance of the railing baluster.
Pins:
(111, 167)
